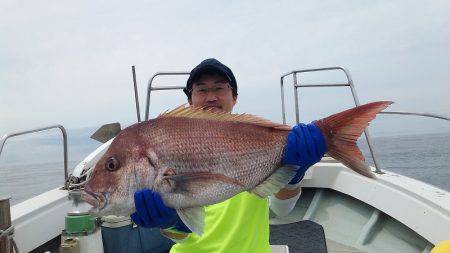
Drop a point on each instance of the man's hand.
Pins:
(151, 212)
(305, 146)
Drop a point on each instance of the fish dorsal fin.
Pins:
(199, 113)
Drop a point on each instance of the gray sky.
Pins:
(69, 62)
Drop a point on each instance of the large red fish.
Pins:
(194, 158)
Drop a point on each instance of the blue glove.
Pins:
(305, 146)
(151, 212)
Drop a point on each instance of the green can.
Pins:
(80, 224)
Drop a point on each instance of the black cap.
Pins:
(210, 65)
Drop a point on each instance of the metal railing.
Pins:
(296, 85)
(60, 127)
(150, 88)
(428, 115)
(349, 83)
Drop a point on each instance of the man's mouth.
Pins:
(212, 108)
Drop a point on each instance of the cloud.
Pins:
(69, 62)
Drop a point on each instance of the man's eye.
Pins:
(202, 90)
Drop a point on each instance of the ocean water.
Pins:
(423, 157)
(29, 170)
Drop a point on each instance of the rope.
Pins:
(8, 234)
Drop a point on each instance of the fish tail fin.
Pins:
(341, 131)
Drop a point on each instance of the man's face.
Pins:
(213, 91)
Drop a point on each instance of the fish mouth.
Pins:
(96, 200)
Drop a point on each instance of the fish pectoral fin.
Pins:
(193, 218)
(275, 182)
(203, 175)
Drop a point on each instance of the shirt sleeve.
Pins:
(282, 207)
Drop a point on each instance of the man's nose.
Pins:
(211, 97)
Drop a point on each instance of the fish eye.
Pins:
(112, 164)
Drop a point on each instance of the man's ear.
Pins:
(234, 99)
(190, 101)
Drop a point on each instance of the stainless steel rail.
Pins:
(429, 115)
(296, 85)
(60, 127)
(349, 83)
(150, 88)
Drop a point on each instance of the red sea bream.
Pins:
(193, 158)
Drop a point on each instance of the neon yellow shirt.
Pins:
(239, 224)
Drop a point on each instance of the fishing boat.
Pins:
(339, 210)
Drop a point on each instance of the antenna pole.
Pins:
(136, 96)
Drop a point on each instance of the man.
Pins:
(241, 223)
